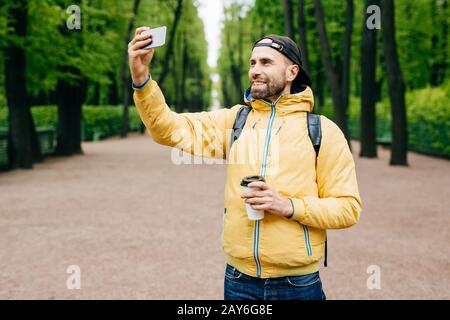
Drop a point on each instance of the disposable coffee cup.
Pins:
(251, 213)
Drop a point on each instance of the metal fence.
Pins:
(46, 137)
(423, 137)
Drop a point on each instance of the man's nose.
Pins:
(255, 71)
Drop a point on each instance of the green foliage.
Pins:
(428, 113)
(2, 101)
(45, 116)
(413, 36)
(103, 120)
(429, 120)
(53, 51)
(3, 117)
(190, 39)
(423, 44)
(422, 37)
(95, 53)
(107, 121)
(238, 36)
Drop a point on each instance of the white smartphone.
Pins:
(159, 37)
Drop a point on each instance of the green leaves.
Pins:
(96, 51)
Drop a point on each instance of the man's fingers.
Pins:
(140, 44)
(142, 52)
(139, 38)
(254, 194)
(143, 37)
(259, 184)
(258, 200)
(265, 206)
(140, 30)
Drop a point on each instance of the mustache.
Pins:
(258, 80)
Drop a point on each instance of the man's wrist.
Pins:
(140, 82)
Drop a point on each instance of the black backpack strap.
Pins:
(315, 134)
(314, 131)
(239, 122)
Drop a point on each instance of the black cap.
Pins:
(289, 48)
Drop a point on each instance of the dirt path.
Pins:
(139, 226)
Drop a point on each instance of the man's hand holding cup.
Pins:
(259, 196)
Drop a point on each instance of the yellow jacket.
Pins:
(274, 143)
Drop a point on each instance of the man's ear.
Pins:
(292, 72)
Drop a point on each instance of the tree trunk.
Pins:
(288, 21)
(184, 72)
(235, 68)
(124, 74)
(438, 56)
(35, 145)
(177, 65)
(319, 86)
(396, 86)
(330, 71)
(303, 35)
(444, 60)
(113, 97)
(70, 99)
(169, 52)
(347, 52)
(22, 138)
(368, 88)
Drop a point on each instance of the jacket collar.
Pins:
(294, 102)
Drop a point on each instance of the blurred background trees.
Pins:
(44, 62)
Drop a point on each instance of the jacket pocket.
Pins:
(237, 235)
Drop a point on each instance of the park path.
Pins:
(141, 227)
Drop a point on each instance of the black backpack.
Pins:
(314, 132)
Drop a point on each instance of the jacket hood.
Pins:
(296, 101)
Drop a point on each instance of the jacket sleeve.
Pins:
(338, 205)
(202, 134)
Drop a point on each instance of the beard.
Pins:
(270, 88)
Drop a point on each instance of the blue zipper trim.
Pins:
(266, 146)
(263, 173)
(308, 244)
(255, 248)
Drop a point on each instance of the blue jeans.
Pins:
(239, 286)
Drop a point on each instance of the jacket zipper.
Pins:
(263, 173)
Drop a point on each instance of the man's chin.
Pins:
(258, 94)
